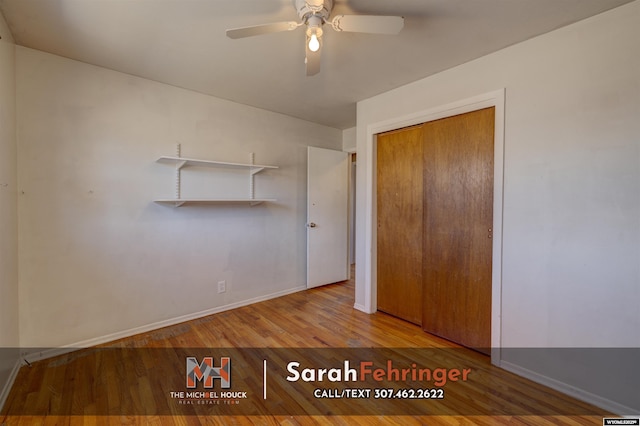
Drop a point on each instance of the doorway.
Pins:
(352, 209)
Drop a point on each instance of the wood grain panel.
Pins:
(458, 217)
(399, 211)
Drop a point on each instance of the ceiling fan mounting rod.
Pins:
(308, 9)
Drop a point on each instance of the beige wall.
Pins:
(349, 139)
(571, 230)
(8, 210)
(99, 259)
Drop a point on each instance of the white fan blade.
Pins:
(262, 29)
(313, 60)
(368, 24)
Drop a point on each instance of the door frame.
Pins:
(369, 281)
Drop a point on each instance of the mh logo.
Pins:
(206, 372)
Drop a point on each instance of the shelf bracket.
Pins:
(251, 177)
(179, 166)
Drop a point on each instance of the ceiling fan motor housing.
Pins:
(310, 8)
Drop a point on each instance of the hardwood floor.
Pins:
(97, 386)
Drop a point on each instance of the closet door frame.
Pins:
(369, 281)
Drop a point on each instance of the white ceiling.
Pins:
(183, 43)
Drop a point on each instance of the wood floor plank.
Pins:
(317, 318)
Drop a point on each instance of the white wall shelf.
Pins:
(180, 162)
(185, 162)
(182, 201)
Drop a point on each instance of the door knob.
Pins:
(311, 225)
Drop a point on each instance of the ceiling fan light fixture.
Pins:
(314, 43)
(314, 32)
(313, 38)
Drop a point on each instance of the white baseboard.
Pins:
(49, 353)
(9, 383)
(582, 395)
(360, 307)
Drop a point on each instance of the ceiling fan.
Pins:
(314, 14)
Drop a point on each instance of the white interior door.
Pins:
(327, 216)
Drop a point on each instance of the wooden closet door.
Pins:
(399, 211)
(458, 217)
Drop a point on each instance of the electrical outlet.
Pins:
(222, 286)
